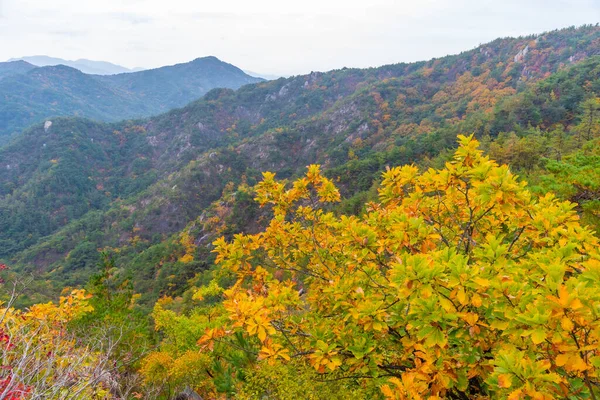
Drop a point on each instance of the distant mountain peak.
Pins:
(19, 62)
(86, 66)
(205, 60)
(12, 68)
(208, 58)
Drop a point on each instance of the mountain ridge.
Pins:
(84, 65)
(33, 94)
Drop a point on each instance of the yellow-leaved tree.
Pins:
(41, 359)
(458, 283)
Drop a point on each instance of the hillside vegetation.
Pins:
(426, 230)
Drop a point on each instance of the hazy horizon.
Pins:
(268, 37)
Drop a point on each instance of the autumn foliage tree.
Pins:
(41, 359)
(458, 283)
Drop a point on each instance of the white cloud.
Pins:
(273, 36)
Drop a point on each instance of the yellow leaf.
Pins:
(484, 283)
(499, 325)
(476, 300)
(538, 336)
(471, 318)
(446, 304)
(262, 333)
(333, 363)
(285, 354)
(566, 324)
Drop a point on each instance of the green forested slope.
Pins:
(134, 186)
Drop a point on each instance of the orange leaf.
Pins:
(561, 359)
(576, 364)
(504, 380)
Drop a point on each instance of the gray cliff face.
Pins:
(521, 54)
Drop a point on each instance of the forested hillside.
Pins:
(77, 186)
(426, 229)
(30, 95)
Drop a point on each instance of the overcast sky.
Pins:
(273, 36)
